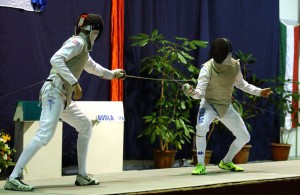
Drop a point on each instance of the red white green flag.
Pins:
(289, 63)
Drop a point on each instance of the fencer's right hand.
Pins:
(188, 90)
(77, 91)
(119, 74)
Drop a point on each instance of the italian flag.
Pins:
(289, 63)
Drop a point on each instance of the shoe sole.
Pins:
(92, 183)
(233, 170)
(19, 190)
(11, 186)
(195, 173)
(198, 173)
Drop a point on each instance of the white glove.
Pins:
(188, 90)
(119, 74)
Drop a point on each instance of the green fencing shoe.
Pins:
(17, 185)
(199, 170)
(229, 166)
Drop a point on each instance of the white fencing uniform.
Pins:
(215, 86)
(55, 97)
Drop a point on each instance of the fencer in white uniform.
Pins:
(56, 98)
(215, 86)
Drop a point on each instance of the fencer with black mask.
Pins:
(216, 82)
(57, 103)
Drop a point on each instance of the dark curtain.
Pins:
(252, 27)
(28, 40)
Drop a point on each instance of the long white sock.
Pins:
(29, 151)
(201, 147)
(235, 147)
(82, 149)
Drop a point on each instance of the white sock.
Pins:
(82, 149)
(235, 147)
(29, 151)
(201, 147)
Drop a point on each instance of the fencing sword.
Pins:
(183, 86)
(27, 87)
(145, 78)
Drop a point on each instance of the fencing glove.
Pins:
(188, 90)
(119, 74)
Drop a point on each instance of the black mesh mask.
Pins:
(89, 22)
(220, 49)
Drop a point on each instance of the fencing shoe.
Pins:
(199, 170)
(17, 185)
(229, 166)
(87, 180)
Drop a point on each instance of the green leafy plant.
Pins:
(247, 108)
(169, 123)
(284, 103)
(245, 60)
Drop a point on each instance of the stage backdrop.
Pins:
(28, 40)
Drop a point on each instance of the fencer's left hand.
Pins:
(77, 91)
(266, 92)
(119, 74)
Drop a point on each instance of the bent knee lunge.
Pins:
(85, 129)
(243, 139)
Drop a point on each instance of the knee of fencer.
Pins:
(86, 128)
(42, 141)
(244, 139)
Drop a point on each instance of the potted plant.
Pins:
(247, 108)
(169, 124)
(286, 103)
(245, 59)
(243, 155)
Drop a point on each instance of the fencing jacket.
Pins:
(216, 83)
(69, 62)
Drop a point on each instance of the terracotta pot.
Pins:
(242, 156)
(164, 159)
(280, 151)
(208, 154)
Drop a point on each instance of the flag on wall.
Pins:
(19, 4)
(289, 63)
(28, 5)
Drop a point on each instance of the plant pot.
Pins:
(242, 156)
(164, 159)
(208, 154)
(280, 151)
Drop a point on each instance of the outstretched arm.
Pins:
(249, 88)
(93, 67)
